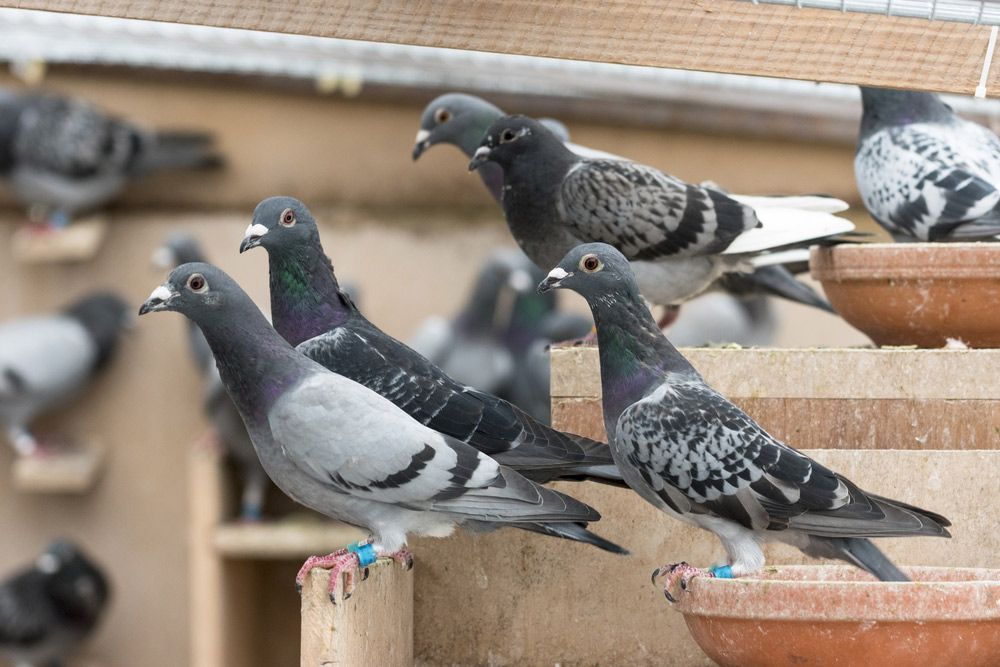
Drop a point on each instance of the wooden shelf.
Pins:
(373, 627)
(287, 539)
(73, 471)
(720, 36)
(78, 242)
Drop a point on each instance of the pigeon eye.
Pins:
(287, 218)
(590, 264)
(442, 115)
(197, 283)
(507, 136)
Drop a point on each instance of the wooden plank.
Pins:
(72, 471)
(889, 373)
(823, 423)
(79, 242)
(722, 35)
(291, 538)
(373, 627)
(208, 603)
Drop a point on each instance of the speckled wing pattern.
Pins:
(648, 214)
(73, 139)
(701, 454)
(924, 179)
(491, 425)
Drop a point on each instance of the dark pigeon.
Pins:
(925, 174)
(679, 237)
(61, 156)
(311, 311)
(227, 424)
(49, 609)
(342, 450)
(49, 359)
(697, 457)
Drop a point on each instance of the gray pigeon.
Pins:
(61, 156)
(679, 237)
(697, 457)
(462, 120)
(342, 450)
(49, 359)
(924, 173)
(311, 311)
(49, 609)
(181, 248)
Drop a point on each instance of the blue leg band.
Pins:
(722, 571)
(365, 551)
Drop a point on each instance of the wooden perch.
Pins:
(373, 627)
(77, 242)
(71, 471)
(718, 36)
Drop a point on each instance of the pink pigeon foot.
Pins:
(678, 574)
(668, 317)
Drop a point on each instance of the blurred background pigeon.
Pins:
(924, 173)
(498, 343)
(48, 359)
(61, 156)
(50, 608)
(227, 425)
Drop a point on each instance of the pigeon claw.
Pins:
(679, 575)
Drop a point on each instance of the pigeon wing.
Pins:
(648, 214)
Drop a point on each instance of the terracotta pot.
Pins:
(838, 615)
(915, 293)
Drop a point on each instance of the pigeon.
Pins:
(925, 174)
(311, 311)
(691, 453)
(717, 318)
(462, 120)
(227, 425)
(46, 360)
(680, 237)
(49, 609)
(340, 449)
(61, 156)
(469, 348)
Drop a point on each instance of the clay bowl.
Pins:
(915, 293)
(838, 615)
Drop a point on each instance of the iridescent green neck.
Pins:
(305, 298)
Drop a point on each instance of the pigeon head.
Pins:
(592, 270)
(197, 290)
(104, 315)
(73, 581)
(511, 137)
(179, 248)
(280, 222)
(456, 119)
(884, 106)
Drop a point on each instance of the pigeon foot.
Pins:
(348, 562)
(679, 575)
(668, 317)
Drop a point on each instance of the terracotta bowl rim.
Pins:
(975, 597)
(924, 262)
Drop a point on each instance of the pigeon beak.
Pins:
(163, 258)
(480, 157)
(421, 144)
(159, 300)
(252, 237)
(553, 280)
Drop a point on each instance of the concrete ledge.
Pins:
(373, 627)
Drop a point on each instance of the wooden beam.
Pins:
(720, 36)
(373, 627)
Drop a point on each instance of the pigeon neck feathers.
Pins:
(306, 299)
(635, 355)
(255, 363)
